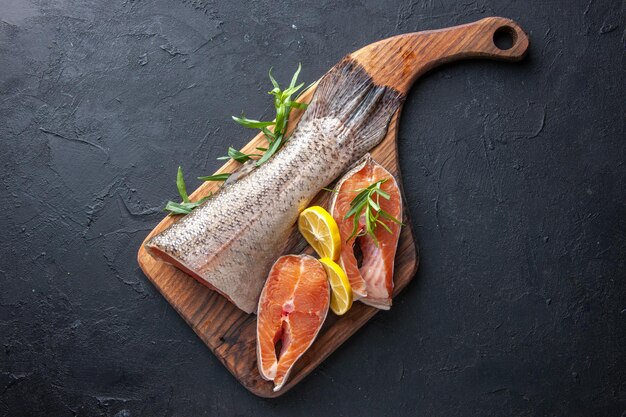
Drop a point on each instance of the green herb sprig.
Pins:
(368, 200)
(239, 156)
(283, 105)
(186, 206)
(217, 177)
(274, 132)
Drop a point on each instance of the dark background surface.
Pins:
(514, 174)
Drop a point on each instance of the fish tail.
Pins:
(348, 93)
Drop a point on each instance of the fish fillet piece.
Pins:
(230, 242)
(373, 281)
(292, 308)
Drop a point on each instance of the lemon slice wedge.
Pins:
(340, 290)
(320, 229)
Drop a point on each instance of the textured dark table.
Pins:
(514, 174)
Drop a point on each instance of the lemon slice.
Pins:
(320, 229)
(340, 290)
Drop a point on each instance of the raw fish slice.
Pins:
(292, 308)
(372, 283)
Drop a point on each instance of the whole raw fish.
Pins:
(231, 241)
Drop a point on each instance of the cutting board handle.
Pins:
(400, 60)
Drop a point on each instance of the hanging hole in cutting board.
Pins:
(504, 38)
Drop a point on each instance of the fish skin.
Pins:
(372, 282)
(231, 241)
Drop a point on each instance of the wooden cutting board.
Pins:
(396, 62)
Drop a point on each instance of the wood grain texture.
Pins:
(228, 331)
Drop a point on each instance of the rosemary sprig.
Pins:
(368, 201)
(283, 105)
(186, 206)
